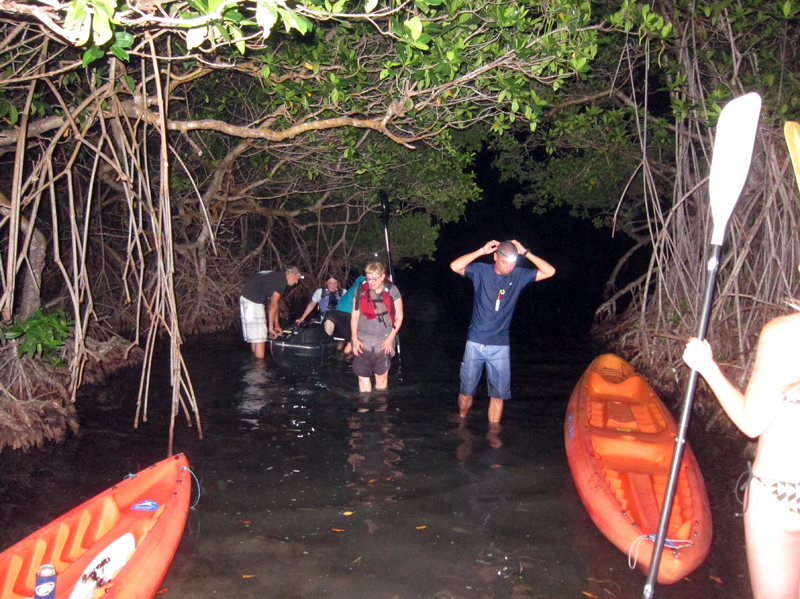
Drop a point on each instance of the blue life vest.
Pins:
(329, 300)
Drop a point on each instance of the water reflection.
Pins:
(258, 383)
(374, 450)
(468, 437)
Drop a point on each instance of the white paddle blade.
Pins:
(791, 131)
(733, 150)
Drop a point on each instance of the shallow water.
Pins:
(310, 489)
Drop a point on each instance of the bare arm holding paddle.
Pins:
(776, 368)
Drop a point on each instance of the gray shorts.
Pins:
(372, 360)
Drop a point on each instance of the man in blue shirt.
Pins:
(497, 288)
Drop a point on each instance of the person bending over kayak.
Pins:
(497, 288)
(257, 325)
(770, 410)
(377, 316)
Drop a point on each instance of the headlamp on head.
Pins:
(509, 257)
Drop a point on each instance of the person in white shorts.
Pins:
(257, 325)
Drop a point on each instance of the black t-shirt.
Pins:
(259, 288)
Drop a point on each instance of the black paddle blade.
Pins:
(384, 206)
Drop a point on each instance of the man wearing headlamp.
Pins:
(497, 288)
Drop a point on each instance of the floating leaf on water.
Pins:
(421, 527)
(248, 575)
(348, 513)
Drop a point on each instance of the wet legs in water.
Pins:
(381, 382)
(495, 407)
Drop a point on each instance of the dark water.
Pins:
(310, 489)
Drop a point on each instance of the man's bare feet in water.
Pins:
(493, 436)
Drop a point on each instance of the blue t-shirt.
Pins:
(490, 317)
(346, 303)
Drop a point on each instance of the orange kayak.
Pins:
(620, 438)
(118, 544)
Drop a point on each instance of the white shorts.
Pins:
(254, 321)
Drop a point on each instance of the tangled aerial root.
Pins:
(36, 402)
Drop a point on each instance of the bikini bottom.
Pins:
(787, 494)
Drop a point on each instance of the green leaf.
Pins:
(234, 15)
(200, 6)
(123, 39)
(414, 26)
(120, 53)
(92, 54)
(370, 6)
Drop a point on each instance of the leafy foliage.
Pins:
(43, 335)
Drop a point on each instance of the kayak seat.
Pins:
(634, 452)
(612, 368)
(641, 496)
(626, 405)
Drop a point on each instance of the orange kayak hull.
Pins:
(620, 438)
(119, 544)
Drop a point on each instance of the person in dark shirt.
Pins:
(497, 288)
(257, 326)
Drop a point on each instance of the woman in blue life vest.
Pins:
(376, 317)
(327, 299)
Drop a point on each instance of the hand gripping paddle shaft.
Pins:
(791, 131)
(730, 163)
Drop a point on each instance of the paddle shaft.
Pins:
(683, 425)
(385, 215)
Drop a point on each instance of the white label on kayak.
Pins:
(147, 505)
(103, 567)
